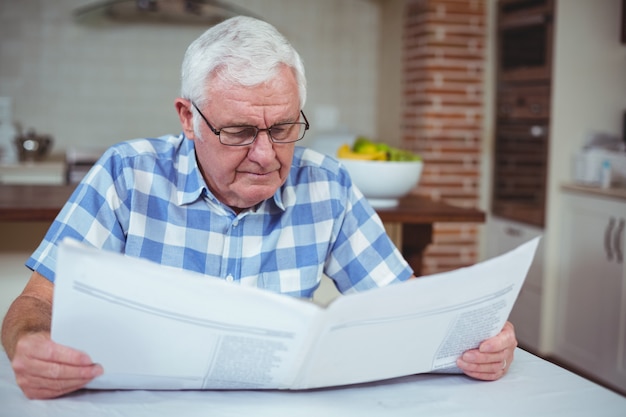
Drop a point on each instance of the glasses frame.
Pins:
(217, 132)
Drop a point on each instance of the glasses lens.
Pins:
(287, 132)
(237, 136)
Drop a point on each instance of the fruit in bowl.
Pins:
(383, 173)
(365, 149)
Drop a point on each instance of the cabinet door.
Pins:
(589, 285)
(505, 235)
(616, 374)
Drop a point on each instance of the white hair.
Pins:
(245, 50)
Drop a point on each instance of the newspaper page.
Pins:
(154, 327)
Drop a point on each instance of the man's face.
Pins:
(243, 176)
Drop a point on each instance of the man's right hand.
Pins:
(44, 369)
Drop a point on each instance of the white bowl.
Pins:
(383, 183)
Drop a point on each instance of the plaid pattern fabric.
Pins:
(147, 198)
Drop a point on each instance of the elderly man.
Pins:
(231, 196)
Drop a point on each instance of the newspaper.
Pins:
(155, 327)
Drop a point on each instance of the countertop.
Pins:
(43, 202)
(32, 202)
(614, 192)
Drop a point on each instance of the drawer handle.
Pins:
(607, 239)
(617, 242)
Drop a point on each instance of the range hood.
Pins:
(205, 12)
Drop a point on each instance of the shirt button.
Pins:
(236, 223)
(230, 278)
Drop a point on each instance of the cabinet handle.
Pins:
(607, 239)
(617, 242)
(537, 131)
(511, 231)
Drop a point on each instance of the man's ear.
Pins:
(183, 108)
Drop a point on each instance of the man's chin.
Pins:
(251, 199)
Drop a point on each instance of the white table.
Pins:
(533, 387)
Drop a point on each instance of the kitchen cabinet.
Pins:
(591, 288)
(505, 235)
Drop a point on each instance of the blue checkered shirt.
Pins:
(147, 198)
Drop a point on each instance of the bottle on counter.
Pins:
(605, 174)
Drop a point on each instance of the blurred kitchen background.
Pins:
(449, 79)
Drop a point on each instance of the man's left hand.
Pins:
(492, 358)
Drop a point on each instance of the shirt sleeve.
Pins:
(96, 213)
(363, 256)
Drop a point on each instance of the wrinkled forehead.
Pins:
(230, 78)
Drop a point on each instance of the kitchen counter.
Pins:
(615, 192)
(32, 202)
(416, 214)
(48, 172)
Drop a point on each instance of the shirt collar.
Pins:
(191, 185)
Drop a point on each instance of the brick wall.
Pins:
(444, 48)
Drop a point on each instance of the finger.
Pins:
(490, 366)
(45, 380)
(487, 367)
(63, 354)
(504, 340)
(474, 356)
(41, 388)
(55, 370)
(484, 371)
(485, 376)
(44, 369)
(40, 347)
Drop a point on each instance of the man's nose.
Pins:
(263, 147)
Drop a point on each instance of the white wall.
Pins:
(589, 93)
(90, 85)
(390, 67)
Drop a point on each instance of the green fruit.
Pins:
(365, 146)
(396, 154)
(380, 146)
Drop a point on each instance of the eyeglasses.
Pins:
(246, 135)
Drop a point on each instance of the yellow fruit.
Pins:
(379, 156)
(343, 151)
(346, 152)
(367, 150)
